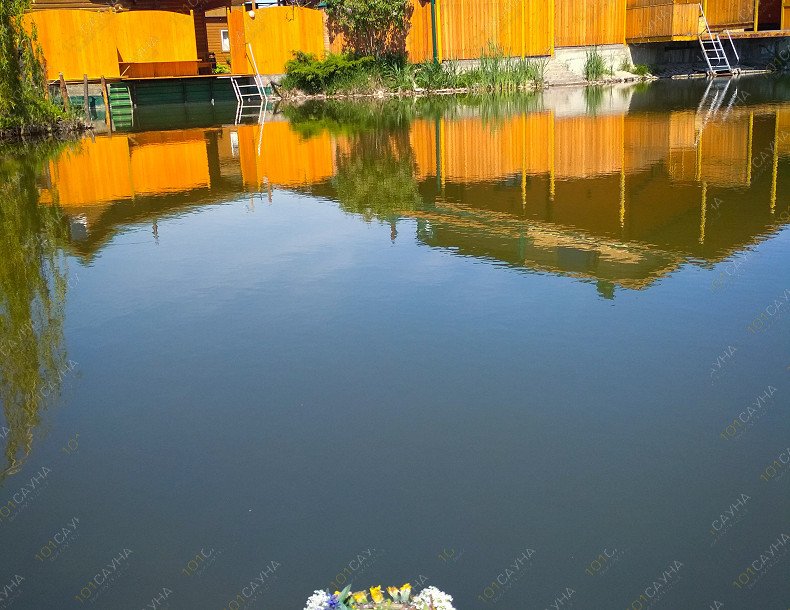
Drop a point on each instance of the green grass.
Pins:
(638, 69)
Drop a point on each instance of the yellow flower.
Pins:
(393, 591)
(360, 597)
(405, 591)
(375, 593)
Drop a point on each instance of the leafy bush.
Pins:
(312, 75)
(595, 66)
(641, 70)
(222, 69)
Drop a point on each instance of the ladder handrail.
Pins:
(258, 77)
(732, 44)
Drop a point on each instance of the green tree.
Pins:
(22, 77)
(376, 28)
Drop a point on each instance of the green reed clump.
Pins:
(497, 72)
(595, 65)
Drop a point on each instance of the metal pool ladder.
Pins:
(258, 96)
(713, 49)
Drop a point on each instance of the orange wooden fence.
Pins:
(517, 27)
(95, 43)
(730, 13)
(663, 21)
(589, 22)
(76, 42)
(275, 33)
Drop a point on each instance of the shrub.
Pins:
(222, 69)
(312, 75)
(595, 66)
(641, 70)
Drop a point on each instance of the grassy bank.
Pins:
(345, 74)
(494, 72)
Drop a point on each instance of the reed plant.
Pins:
(595, 65)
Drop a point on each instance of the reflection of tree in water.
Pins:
(376, 177)
(32, 296)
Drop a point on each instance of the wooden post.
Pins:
(757, 14)
(106, 97)
(86, 98)
(523, 29)
(64, 92)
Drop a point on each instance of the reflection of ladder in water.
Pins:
(713, 49)
(712, 101)
(250, 93)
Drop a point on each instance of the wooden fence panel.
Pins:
(155, 36)
(516, 27)
(276, 32)
(238, 42)
(730, 13)
(76, 42)
(662, 21)
(419, 39)
(589, 22)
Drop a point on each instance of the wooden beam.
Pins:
(86, 100)
(106, 97)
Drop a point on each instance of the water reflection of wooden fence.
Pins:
(461, 151)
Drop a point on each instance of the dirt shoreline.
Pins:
(580, 82)
(60, 130)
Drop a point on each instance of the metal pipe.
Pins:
(433, 32)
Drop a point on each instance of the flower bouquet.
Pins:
(429, 598)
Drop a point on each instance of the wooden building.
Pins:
(127, 38)
(161, 38)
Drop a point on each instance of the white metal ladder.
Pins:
(258, 96)
(713, 49)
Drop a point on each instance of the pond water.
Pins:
(532, 351)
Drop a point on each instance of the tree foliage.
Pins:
(371, 27)
(22, 77)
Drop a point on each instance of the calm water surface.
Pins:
(516, 350)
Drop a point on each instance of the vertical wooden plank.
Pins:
(106, 97)
(64, 92)
(86, 107)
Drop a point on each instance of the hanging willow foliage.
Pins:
(22, 78)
